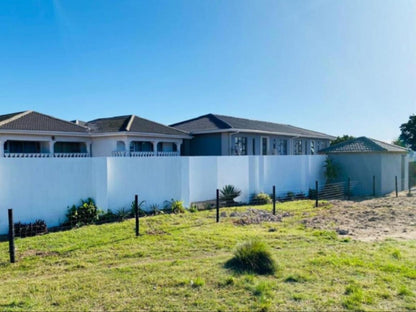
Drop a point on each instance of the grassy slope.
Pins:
(179, 265)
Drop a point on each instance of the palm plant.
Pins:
(228, 193)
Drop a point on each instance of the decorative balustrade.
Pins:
(167, 154)
(46, 155)
(71, 155)
(144, 154)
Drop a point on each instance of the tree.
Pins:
(408, 132)
(399, 142)
(339, 139)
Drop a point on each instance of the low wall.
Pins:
(44, 188)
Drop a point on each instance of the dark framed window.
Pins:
(240, 145)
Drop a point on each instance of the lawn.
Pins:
(178, 264)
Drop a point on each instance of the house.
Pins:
(225, 135)
(371, 164)
(32, 134)
(134, 136)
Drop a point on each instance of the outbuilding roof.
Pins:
(131, 123)
(220, 123)
(34, 121)
(363, 145)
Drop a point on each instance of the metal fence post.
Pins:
(317, 194)
(218, 205)
(397, 191)
(11, 237)
(374, 186)
(274, 200)
(136, 212)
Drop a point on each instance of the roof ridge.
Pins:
(160, 124)
(385, 143)
(222, 120)
(15, 117)
(130, 122)
(188, 120)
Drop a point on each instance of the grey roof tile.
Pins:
(34, 121)
(131, 123)
(363, 145)
(212, 122)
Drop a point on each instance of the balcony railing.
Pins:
(46, 155)
(144, 154)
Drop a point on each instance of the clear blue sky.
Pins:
(340, 67)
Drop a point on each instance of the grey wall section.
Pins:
(361, 167)
(206, 144)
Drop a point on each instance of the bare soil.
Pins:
(369, 219)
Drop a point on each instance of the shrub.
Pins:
(86, 213)
(140, 205)
(30, 229)
(174, 206)
(290, 196)
(155, 209)
(253, 256)
(228, 193)
(261, 199)
(193, 208)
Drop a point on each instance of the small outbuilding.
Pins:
(371, 165)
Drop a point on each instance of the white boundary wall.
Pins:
(44, 188)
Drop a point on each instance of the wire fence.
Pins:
(225, 197)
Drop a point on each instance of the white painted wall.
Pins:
(44, 188)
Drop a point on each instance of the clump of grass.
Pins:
(396, 254)
(253, 256)
(197, 282)
(354, 297)
(296, 278)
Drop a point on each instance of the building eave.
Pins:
(291, 135)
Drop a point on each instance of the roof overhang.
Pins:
(43, 133)
(139, 134)
(292, 135)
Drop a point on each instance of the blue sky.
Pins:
(339, 67)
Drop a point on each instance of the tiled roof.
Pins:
(131, 123)
(363, 145)
(34, 121)
(212, 122)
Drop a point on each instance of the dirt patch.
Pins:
(256, 216)
(38, 253)
(369, 219)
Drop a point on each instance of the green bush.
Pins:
(86, 213)
(261, 199)
(193, 208)
(228, 193)
(140, 205)
(253, 256)
(174, 206)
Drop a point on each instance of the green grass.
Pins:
(178, 263)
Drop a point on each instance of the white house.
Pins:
(31, 134)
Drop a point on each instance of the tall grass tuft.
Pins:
(253, 256)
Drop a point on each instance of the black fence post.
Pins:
(218, 205)
(136, 212)
(349, 189)
(317, 193)
(397, 191)
(274, 200)
(409, 185)
(374, 186)
(11, 237)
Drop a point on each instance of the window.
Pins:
(282, 147)
(254, 146)
(141, 146)
(264, 146)
(240, 146)
(312, 147)
(298, 147)
(21, 147)
(69, 147)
